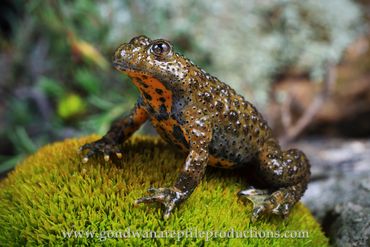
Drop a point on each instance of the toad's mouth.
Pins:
(122, 66)
(128, 69)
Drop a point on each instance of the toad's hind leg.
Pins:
(286, 172)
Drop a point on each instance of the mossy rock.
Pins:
(52, 192)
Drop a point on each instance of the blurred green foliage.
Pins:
(70, 106)
(55, 74)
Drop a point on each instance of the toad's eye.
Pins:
(161, 48)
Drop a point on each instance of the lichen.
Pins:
(244, 43)
(52, 191)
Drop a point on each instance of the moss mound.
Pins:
(53, 199)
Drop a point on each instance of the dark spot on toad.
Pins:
(179, 135)
(159, 91)
(163, 114)
(147, 96)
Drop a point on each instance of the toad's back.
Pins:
(238, 129)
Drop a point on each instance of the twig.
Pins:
(293, 131)
(286, 117)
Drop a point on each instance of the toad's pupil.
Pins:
(159, 48)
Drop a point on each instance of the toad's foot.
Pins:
(101, 147)
(166, 196)
(280, 202)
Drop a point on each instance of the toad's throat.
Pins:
(154, 92)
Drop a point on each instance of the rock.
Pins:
(339, 193)
(342, 205)
(336, 157)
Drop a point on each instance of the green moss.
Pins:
(52, 192)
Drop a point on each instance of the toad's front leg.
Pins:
(119, 132)
(199, 137)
